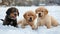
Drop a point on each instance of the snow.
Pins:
(53, 11)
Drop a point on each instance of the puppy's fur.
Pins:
(29, 19)
(10, 18)
(44, 18)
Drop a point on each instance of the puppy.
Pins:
(29, 19)
(44, 18)
(11, 17)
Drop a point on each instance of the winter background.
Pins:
(53, 11)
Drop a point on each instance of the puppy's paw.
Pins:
(23, 27)
(48, 27)
(34, 27)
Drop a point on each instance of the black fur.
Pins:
(9, 21)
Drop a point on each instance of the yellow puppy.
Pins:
(44, 18)
(29, 19)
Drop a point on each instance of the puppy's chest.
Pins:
(41, 20)
(11, 22)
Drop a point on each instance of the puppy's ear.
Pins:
(46, 11)
(18, 12)
(36, 11)
(35, 16)
(24, 15)
(8, 11)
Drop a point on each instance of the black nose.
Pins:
(39, 14)
(30, 19)
(15, 14)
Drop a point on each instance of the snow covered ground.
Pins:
(53, 11)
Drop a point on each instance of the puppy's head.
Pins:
(12, 12)
(30, 16)
(41, 11)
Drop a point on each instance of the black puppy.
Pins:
(11, 17)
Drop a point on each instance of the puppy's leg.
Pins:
(22, 26)
(39, 24)
(33, 27)
(19, 22)
(14, 23)
(48, 25)
(54, 22)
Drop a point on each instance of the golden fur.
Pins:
(44, 18)
(29, 19)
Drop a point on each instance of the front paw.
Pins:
(23, 27)
(34, 27)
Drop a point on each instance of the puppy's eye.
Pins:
(32, 15)
(28, 15)
(41, 11)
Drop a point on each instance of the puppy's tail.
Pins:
(1, 19)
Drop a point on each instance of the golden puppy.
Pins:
(29, 19)
(44, 18)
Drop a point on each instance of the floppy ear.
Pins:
(36, 11)
(18, 12)
(24, 15)
(35, 16)
(8, 11)
(46, 11)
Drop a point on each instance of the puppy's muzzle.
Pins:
(39, 15)
(15, 13)
(30, 19)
